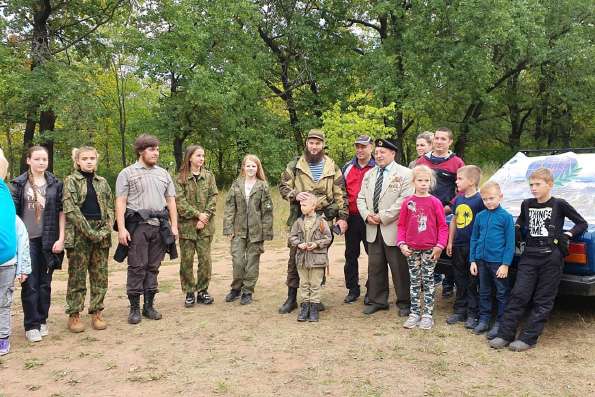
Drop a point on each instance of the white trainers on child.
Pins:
(411, 321)
(33, 335)
(44, 330)
(426, 322)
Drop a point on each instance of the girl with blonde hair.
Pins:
(248, 221)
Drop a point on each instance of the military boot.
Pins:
(313, 312)
(97, 322)
(305, 311)
(75, 324)
(291, 302)
(134, 315)
(148, 309)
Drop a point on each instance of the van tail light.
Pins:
(577, 254)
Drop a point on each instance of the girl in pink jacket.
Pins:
(422, 234)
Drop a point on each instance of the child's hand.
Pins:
(200, 225)
(436, 252)
(22, 278)
(302, 246)
(449, 249)
(405, 250)
(502, 271)
(310, 246)
(473, 268)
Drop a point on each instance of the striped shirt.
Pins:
(145, 187)
(316, 170)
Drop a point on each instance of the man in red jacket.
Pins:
(353, 173)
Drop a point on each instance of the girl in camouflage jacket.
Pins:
(89, 206)
(196, 200)
(248, 222)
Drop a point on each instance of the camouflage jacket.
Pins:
(193, 196)
(330, 189)
(320, 234)
(252, 220)
(77, 226)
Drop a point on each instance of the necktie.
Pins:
(378, 188)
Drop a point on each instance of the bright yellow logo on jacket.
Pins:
(464, 216)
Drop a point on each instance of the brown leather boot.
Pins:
(74, 323)
(97, 322)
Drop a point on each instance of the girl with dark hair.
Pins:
(37, 196)
(196, 200)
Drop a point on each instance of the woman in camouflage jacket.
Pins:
(248, 221)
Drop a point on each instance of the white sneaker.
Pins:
(411, 321)
(426, 322)
(33, 335)
(44, 330)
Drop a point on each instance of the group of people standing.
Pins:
(397, 213)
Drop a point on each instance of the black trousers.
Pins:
(535, 288)
(37, 290)
(467, 295)
(145, 253)
(355, 235)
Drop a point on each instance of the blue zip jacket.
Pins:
(492, 239)
(8, 233)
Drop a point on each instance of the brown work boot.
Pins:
(74, 323)
(97, 322)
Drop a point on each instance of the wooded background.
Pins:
(248, 76)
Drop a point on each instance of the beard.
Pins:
(313, 158)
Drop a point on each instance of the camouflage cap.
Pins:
(316, 133)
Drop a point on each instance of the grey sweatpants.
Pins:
(7, 275)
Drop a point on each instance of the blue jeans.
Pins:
(488, 279)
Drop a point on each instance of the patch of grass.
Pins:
(365, 388)
(31, 363)
(439, 367)
(166, 286)
(61, 374)
(89, 338)
(110, 365)
(33, 387)
(221, 388)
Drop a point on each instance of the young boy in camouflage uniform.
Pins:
(88, 206)
(311, 236)
(196, 200)
(248, 221)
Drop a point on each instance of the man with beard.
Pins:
(145, 210)
(379, 203)
(315, 173)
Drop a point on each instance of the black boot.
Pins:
(134, 316)
(313, 312)
(148, 309)
(291, 302)
(304, 313)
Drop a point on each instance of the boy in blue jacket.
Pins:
(491, 253)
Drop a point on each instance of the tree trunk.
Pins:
(179, 149)
(47, 121)
(27, 140)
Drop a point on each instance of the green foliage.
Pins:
(244, 77)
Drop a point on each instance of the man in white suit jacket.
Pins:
(379, 202)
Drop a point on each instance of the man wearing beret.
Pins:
(379, 203)
(315, 173)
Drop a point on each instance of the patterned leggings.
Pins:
(421, 274)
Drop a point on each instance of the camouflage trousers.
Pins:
(86, 256)
(246, 260)
(421, 276)
(202, 248)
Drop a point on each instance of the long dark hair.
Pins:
(38, 207)
(185, 168)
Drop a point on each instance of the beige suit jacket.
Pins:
(396, 186)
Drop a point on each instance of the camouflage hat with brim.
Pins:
(316, 134)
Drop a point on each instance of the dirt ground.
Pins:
(230, 350)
